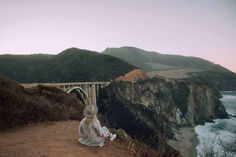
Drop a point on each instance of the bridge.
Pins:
(86, 91)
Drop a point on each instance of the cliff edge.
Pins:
(154, 110)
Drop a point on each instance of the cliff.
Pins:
(153, 110)
(38, 121)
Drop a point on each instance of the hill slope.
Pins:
(152, 61)
(20, 106)
(70, 65)
(176, 66)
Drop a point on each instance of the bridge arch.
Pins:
(86, 91)
(79, 93)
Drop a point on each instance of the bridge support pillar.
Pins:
(94, 95)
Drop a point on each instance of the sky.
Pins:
(200, 28)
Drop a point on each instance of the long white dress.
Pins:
(89, 136)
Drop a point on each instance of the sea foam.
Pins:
(220, 133)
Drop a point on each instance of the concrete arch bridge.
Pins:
(86, 91)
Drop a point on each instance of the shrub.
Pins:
(19, 106)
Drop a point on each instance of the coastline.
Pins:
(187, 142)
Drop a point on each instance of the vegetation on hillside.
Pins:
(19, 106)
(69, 66)
(152, 61)
(176, 66)
(224, 81)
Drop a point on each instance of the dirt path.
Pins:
(53, 139)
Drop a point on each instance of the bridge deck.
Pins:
(28, 85)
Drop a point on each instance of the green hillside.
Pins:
(68, 66)
(176, 66)
(152, 61)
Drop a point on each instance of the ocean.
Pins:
(219, 138)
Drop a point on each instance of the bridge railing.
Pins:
(29, 85)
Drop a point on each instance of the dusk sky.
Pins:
(201, 28)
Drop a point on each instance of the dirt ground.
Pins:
(54, 139)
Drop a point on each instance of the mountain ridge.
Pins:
(144, 57)
(70, 65)
(74, 64)
(176, 66)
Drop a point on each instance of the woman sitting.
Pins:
(90, 130)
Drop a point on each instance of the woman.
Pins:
(90, 130)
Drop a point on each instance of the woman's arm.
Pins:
(98, 132)
(81, 131)
(98, 128)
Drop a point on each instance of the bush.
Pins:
(19, 106)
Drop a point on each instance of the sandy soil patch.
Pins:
(53, 139)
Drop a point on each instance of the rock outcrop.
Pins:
(152, 110)
(134, 75)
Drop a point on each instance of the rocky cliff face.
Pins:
(153, 109)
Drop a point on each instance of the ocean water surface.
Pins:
(219, 137)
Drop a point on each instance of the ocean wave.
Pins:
(211, 137)
(220, 133)
(228, 97)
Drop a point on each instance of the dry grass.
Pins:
(175, 73)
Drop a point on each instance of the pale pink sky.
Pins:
(201, 28)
